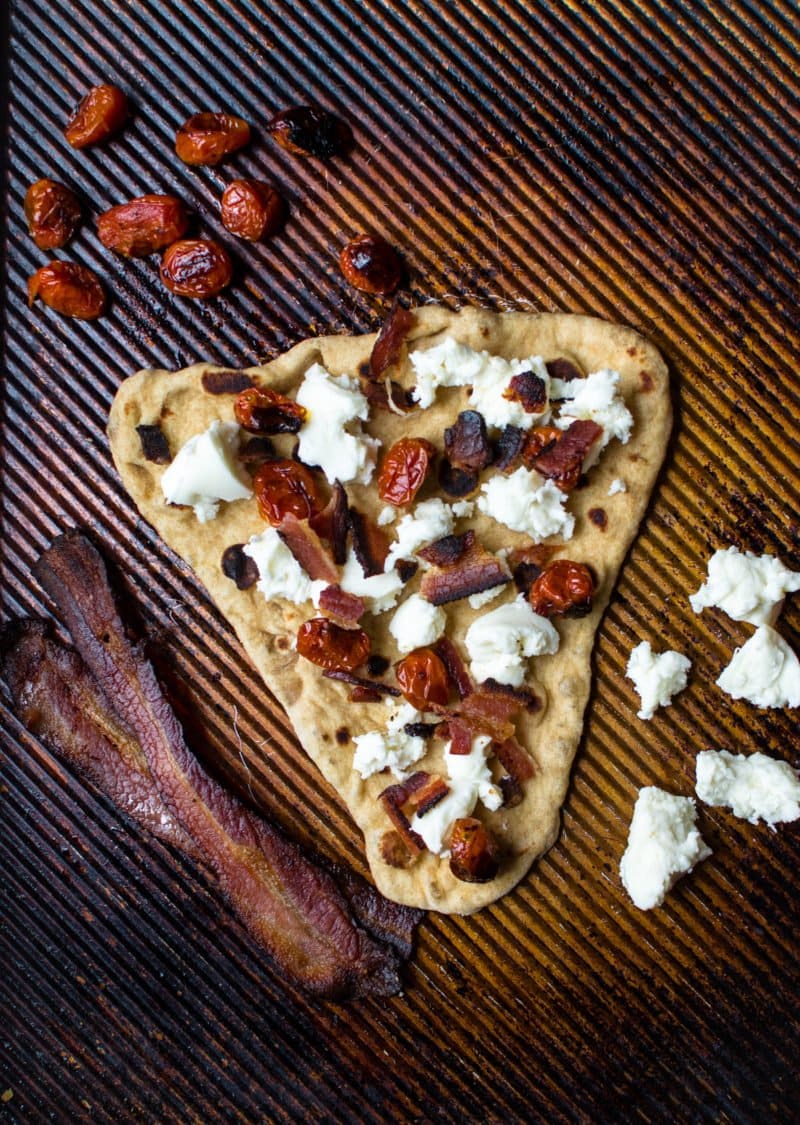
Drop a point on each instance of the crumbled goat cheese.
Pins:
(427, 522)
(485, 596)
(451, 364)
(470, 781)
(525, 502)
(747, 587)
(333, 404)
(764, 671)
(463, 509)
(754, 787)
(417, 623)
(500, 641)
(657, 677)
(279, 573)
(380, 590)
(617, 485)
(205, 470)
(391, 748)
(386, 515)
(596, 397)
(663, 844)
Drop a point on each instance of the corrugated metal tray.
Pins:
(633, 160)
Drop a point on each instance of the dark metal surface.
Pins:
(633, 160)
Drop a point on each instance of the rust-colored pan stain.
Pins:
(635, 161)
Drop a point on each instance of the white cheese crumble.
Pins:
(500, 641)
(451, 364)
(380, 590)
(279, 573)
(656, 677)
(334, 404)
(430, 520)
(391, 748)
(525, 502)
(617, 485)
(754, 787)
(597, 398)
(471, 781)
(386, 515)
(463, 509)
(764, 671)
(747, 587)
(416, 623)
(477, 601)
(205, 470)
(663, 844)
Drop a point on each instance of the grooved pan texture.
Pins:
(631, 160)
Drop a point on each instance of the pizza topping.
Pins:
(466, 442)
(530, 390)
(430, 520)
(331, 435)
(471, 781)
(206, 470)
(251, 209)
(561, 371)
(406, 569)
(764, 671)
(387, 514)
(617, 485)
(361, 693)
(747, 587)
(143, 225)
(393, 748)
(447, 550)
(328, 645)
(525, 502)
(381, 590)
(398, 800)
(388, 347)
(564, 460)
(404, 470)
(656, 677)
(264, 411)
(516, 698)
(53, 213)
(207, 138)
(386, 396)
(394, 850)
(332, 523)
(456, 482)
(563, 589)
(309, 130)
(238, 567)
(280, 574)
(196, 267)
(423, 679)
(456, 669)
(597, 399)
(155, 446)
(473, 851)
(346, 609)
(376, 688)
(472, 570)
(753, 786)
(370, 543)
(508, 448)
(69, 289)
(284, 487)
(500, 641)
(539, 440)
(99, 114)
(460, 737)
(514, 759)
(307, 548)
(663, 844)
(371, 264)
(416, 624)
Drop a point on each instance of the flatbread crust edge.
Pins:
(317, 707)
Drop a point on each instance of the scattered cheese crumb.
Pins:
(331, 436)
(747, 587)
(386, 515)
(380, 590)
(391, 748)
(485, 596)
(279, 573)
(754, 787)
(764, 671)
(525, 502)
(500, 641)
(416, 623)
(663, 844)
(206, 470)
(597, 398)
(656, 677)
(616, 486)
(471, 781)
(429, 521)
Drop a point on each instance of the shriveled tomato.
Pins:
(100, 113)
(332, 647)
(196, 267)
(207, 138)
(422, 677)
(70, 289)
(564, 588)
(404, 469)
(251, 209)
(370, 264)
(264, 411)
(537, 440)
(53, 213)
(282, 486)
(473, 851)
(143, 225)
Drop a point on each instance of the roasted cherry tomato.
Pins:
(70, 289)
(332, 647)
(264, 411)
(473, 852)
(423, 679)
(564, 588)
(196, 267)
(284, 486)
(53, 213)
(101, 112)
(371, 264)
(404, 468)
(207, 138)
(251, 209)
(537, 440)
(143, 225)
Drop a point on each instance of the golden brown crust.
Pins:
(316, 706)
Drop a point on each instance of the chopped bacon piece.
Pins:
(370, 543)
(529, 389)
(447, 550)
(456, 482)
(394, 850)
(361, 694)
(406, 568)
(307, 548)
(388, 347)
(526, 564)
(511, 790)
(515, 760)
(456, 669)
(489, 713)
(254, 452)
(460, 737)
(395, 799)
(466, 442)
(239, 567)
(377, 664)
(538, 441)
(563, 369)
(508, 448)
(563, 462)
(361, 681)
(332, 523)
(475, 570)
(524, 698)
(155, 446)
(420, 730)
(225, 382)
(473, 851)
(377, 395)
(345, 608)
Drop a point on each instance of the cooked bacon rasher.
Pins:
(465, 568)
(308, 549)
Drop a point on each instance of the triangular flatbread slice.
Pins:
(607, 508)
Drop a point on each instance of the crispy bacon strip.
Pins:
(370, 544)
(515, 760)
(361, 681)
(460, 737)
(345, 608)
(332, 523)
(387, 348)
(520, 697)
(394, 798)
(292, 907)
(307, 548)
(563, 461)
(475, 569)
(448, 550)
(456, 668)
(529, 390)
(563, 369)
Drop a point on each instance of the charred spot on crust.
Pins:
(377, 664)
(456, 482)
(239, 567)
(342, 736)
(225, 382)
(364, 369)
(598, 517)
(283, 644)
(646, 381)
(155, 446)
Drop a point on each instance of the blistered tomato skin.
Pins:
(332, 647)
(251, 209)
(53, 213)
(264, 411)
(282, 487)
(101, 113)
(196, 267)
(207, 138)
(473, 853)
(143, 225)
(404, 470)
(563, 589)
(69, 289)
(422, 678)
(371, 265)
